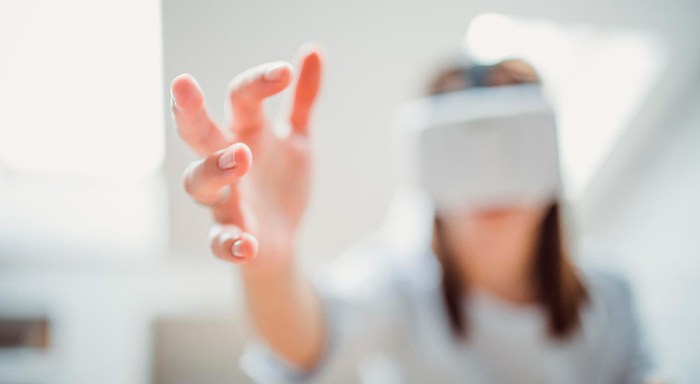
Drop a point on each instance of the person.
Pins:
(486, 296)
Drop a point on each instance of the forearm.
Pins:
(286, 312)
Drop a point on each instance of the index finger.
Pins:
(193, 122)
(248, 90)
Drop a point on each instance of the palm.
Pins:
(277, 188)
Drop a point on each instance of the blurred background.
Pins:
(105, 272)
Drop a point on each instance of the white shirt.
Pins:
(387, 323)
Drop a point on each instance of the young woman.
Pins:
(486, 296)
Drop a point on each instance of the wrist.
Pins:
(271, 263)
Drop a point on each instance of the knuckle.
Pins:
(235, 87)
(224, 216)
(241, 87)
(187, 182)
(214, 244)
(210, 164)
(214, 232)
(190, 181)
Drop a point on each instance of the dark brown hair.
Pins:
(559, 288)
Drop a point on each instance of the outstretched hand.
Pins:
(257, 205)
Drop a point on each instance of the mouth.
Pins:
(493, 213)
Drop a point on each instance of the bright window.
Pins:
(597, 79)
(81, 87)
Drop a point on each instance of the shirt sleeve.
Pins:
(362, 307)
(634, 363)
(638, 361)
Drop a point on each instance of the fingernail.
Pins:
(227, 160)
(237, 248)
(274, 72)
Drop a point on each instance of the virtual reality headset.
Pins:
(483, 147)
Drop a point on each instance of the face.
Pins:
(498, 233)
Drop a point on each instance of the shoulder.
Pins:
(606, 284)
(607, 287)
(611, 302)
(602, 276)
(612, 323)
(610, 316)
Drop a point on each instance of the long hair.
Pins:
(559, 288)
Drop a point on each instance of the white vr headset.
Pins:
(483, 147)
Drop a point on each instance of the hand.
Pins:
(258, 208)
